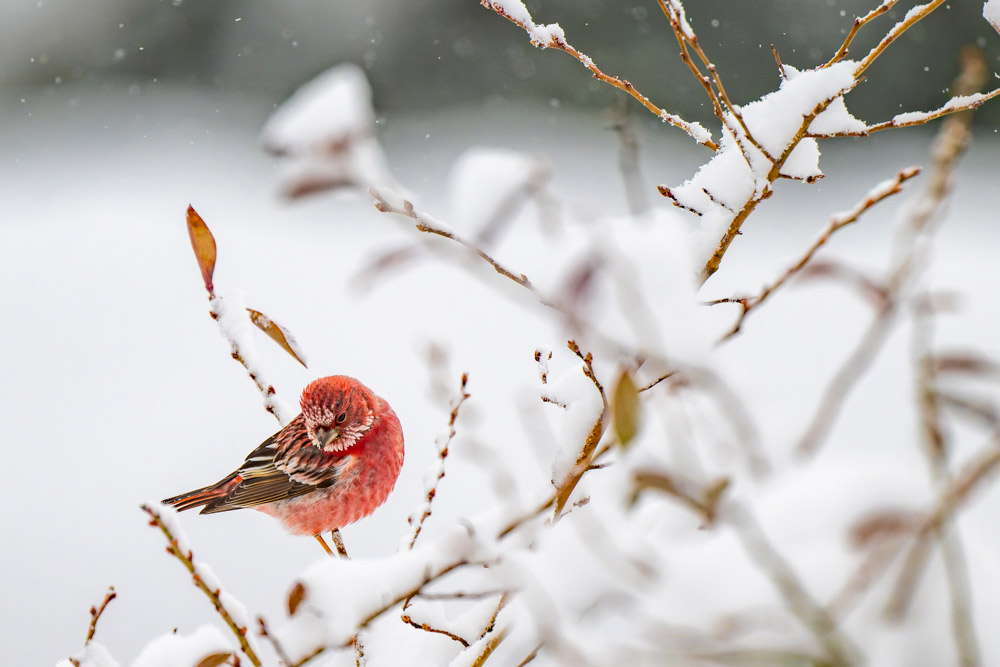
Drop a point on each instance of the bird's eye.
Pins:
(341, 418)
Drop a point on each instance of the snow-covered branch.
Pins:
(229, 608)
(551, 36)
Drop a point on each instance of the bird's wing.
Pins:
(268, 476)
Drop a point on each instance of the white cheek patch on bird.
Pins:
(351, 434)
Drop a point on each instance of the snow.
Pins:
(93, 654)
(324, 135)
(235, 325)
(738, 172)
(341, 594)
(959, 101)
(697, 130)
(991, 12)
(486, 181)
(583, 406)
(334, 105)
(836, 119)
(541, 35)
(677, 10)
(172, 650)
(154, 402)
(775, 119)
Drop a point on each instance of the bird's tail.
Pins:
(200, 497)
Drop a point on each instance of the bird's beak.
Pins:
(325, 436)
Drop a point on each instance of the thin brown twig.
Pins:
(718, 96)
(712, 265)
(837, 223)
(911, 120)
(187, 559)
(429, 225)
(442, 456)
(429, 578)
(308, 656)
(431, 494)
(916, 14)
(429, 628)
(588, 363)
(338, 543)
(566, 486)
(912, 17)
(950, 143)
(657, 381)
(95, 613)
(461, 595)
(857, 25)
(275, 644)
(555, 42)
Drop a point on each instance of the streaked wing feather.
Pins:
(259, 489)
(263, 481)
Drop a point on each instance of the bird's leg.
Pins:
(323, 544)
(338, 543)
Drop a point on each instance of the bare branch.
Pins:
(858, 23)
(95, 613)
(187, 559)
(442, 456)
(406, 618)
(556, 40)
(837, 222)
(912, 17)
(954, 105)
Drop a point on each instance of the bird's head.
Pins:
(338, 411)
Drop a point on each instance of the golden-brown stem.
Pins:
(322, 543)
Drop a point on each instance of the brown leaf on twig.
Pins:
(625, 408)
(214, 660)
(203, 244)
(277, 333)
(295, 597)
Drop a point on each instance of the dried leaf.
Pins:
(203, 244)
(278, 334)
(214, 660)
(625, 408)
(295, 597)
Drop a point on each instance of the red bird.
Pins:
(333, 464)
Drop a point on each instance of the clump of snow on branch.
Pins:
(94, 654)
(324, 135)
(541, 34)
(230, 313)
(486, 183)
(740, 171)
(775, 119)
(991, 12)
(574, 392)
(341, 596)
(174, 649)
(957, 102)
(697, 131)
